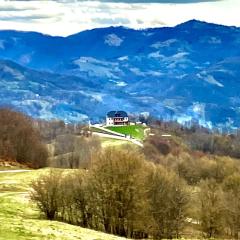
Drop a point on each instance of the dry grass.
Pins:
(21, 220)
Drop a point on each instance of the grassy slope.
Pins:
(109, 142)
(136, 131)
(19, 218)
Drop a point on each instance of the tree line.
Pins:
(202, 139)
(29, 141)
(124, 193)
(120, 194)
(212, 179)
(20, 141)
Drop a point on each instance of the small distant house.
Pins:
(117, 118)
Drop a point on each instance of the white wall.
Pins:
(109, 121)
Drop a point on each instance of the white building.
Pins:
(117, 118)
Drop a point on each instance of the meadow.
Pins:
(21, 220)
(135, 131)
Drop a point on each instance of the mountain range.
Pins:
(190, 72)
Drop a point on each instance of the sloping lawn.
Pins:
(20, 219)
(135, 131)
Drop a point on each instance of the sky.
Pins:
(66, 17)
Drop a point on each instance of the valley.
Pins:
(162, 74)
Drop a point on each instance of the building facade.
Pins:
(117, 118)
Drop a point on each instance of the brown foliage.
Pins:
(117, 190)
(19, 140)
(75, 151)
(46, 192)
(231, 187)
(168, 198)
(120, 194)
(211, 208)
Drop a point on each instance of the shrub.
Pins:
(46, 192)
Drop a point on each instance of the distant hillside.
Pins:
(52, 96)
(188, 72)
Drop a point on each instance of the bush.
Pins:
(46, 193)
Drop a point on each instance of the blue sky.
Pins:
(65, 17)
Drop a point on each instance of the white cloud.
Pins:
(65, 17)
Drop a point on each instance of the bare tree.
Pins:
(20, 141)
(168, 198)
(117, 193)
(231, 188)
(46, 192)
(74, 151)
(211, 209)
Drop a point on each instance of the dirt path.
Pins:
(15, 171)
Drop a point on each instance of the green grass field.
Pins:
(20, 219)
(136, 131)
